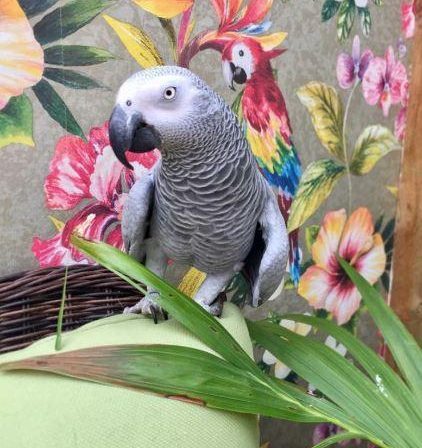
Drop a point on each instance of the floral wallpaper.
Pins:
(62, 60)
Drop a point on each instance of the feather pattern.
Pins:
(266, 124)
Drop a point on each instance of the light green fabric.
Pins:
(45, 411)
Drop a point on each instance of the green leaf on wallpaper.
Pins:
(76, 55)
(373, 144)
(139, 45)
(329, 9)
(237, 104)
(33, 8)
(71, 79)
(239, 289)
(56, 107)
(16, 122)
(346, 17)
(365, 20)
(326, 110)
(316, 184)
(311, 233)
(68, 19)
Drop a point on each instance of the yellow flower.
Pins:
(21, 56)
(165, 8)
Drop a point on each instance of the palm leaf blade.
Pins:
(403, 346)
(378, 370)
(176, 372)
(334, 376)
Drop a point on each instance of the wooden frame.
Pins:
(406, 292)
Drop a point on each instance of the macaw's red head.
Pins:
(245, 56)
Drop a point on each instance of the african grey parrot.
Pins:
(205, 204)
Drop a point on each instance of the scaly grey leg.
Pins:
(209, 290)
(156, 261)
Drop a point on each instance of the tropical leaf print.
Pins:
(346, 11)
(76, 55)
(68, 19)
(365, 20)
(329, 9)
(56, 107)
(346, 17)
(326, 110)
(315, 186)
(16, 122)
(33, 8)
(137, 43)
(373, 144)
(71, 79)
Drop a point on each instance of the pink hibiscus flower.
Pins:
(408, 18)
(383, 81)
(325, 284)
(352, 66)
(81, 171)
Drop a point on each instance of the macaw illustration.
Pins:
(246, 58)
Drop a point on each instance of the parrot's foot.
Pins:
(147, 306)
(216, 308)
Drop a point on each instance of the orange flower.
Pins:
(165, 8)
(21, 56)
(325, 284)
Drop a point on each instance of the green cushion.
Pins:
(43, 410)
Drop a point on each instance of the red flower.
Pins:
(87, 171)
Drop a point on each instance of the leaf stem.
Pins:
(58, 343)
(346, 157)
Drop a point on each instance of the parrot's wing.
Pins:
(266, 263)
(136, 215)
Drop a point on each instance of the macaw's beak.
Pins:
(239, 74)
(233, 74)
(130, 132)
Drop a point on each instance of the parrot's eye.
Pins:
(170, 93)
(128, 103)
(241, 53)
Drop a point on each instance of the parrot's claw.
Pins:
(147, 306)
(216, 308)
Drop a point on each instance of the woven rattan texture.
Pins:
(30, 301)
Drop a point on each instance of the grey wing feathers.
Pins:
(136, 215)
(273, 246)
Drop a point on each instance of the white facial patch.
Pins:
(242, 57)
(152, 98)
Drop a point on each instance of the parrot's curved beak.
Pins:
(233, 74)
(130, 132)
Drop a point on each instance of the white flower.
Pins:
(281, 370)
(361, 3)
(339, 348)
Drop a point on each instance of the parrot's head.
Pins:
(243, 57)
(158, 108)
